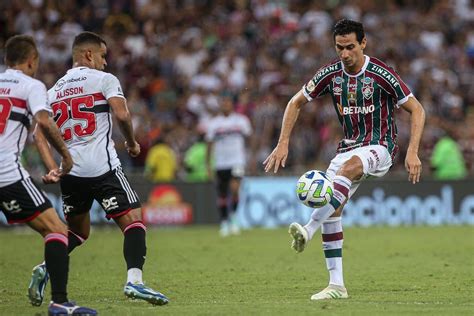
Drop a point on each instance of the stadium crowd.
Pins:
(176, 58)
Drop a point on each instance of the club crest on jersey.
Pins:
(310, 86)
(367, 91)
(368, 88)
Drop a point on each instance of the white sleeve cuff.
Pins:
(405, 99)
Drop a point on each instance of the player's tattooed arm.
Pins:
(124, 121)
(47, 132)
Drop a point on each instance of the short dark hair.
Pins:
(88, 38)
(18, 49)
(345, 26)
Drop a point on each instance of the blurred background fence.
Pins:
(271, 202)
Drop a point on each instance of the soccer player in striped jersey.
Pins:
(83, 101)
(365, 93)
(23, 98)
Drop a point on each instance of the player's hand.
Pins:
(413, 166)
(133, 150)
(277, 158)
(52, 177)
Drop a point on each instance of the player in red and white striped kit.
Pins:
(83, 102)
(22, 99)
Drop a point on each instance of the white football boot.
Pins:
(332, 292)
(299, 235)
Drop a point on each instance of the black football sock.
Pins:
(134, 245)
(57, 264)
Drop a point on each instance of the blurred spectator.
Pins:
(161, 164)
(447, 160)
(195, 159)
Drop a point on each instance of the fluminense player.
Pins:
(23, 98)
(226, 135)
(366, 93)
(83, 102)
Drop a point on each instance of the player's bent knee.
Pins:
(134, 215)
(352, 169)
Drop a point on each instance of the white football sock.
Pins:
(134, 276)
(332, 236)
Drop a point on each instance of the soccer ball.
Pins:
(314, 189)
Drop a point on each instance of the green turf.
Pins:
(388, 271)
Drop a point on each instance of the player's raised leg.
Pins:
(134, 251)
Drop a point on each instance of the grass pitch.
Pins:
(388, 271)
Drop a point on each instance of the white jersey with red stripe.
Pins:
(82, 113)
(228, 135)
(21, 97)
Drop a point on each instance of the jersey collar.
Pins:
(366, 62)
(14, 70)
(77, 68)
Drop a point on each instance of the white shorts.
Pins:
(376, 161)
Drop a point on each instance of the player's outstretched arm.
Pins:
(278, 156)
(417, 115)
(124, 120)
(46, 132)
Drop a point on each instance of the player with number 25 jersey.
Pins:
(81, 111)
(82, 103)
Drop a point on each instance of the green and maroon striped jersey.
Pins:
(364, 102)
